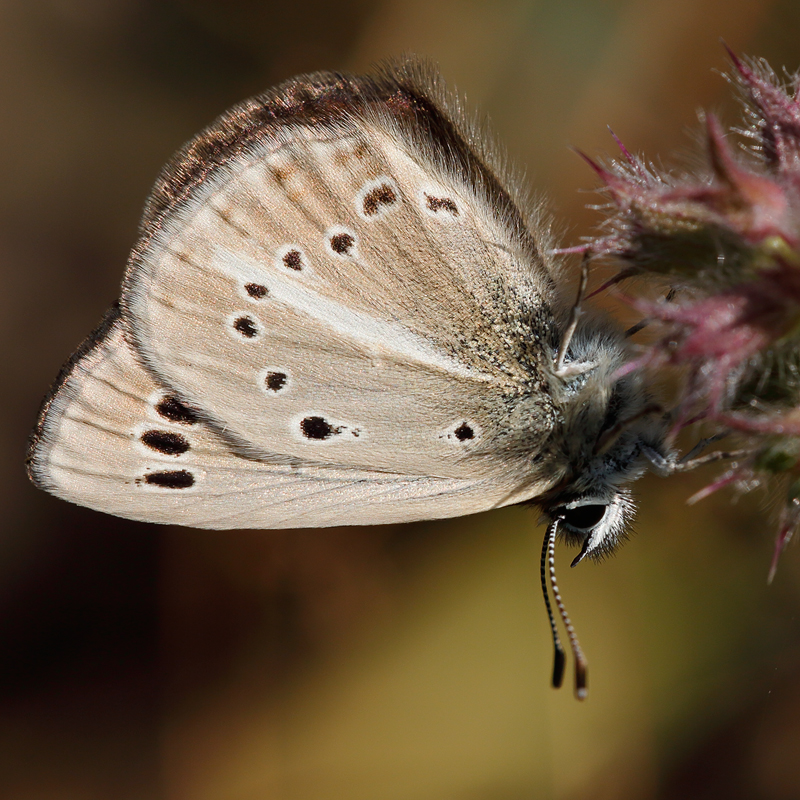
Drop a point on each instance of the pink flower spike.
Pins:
(781, 540)
(779, 111)
(756, 206)
(651, 359)
(619, 188)
(737, 62)
(722, 162)
(634, 163)
(777, 424)
(721, 482)
(602, 173)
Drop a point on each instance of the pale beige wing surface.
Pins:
(344, 286)
(112, 438)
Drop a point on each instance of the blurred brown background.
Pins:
(403, 662)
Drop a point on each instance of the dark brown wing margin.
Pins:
(409, 92)
(94, 340)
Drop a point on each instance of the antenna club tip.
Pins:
(559, 663)
(580, 680)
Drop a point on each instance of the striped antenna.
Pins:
(559, 657)
(549, 557)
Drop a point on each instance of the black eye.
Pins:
(584, 517)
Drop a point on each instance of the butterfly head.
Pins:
(605, 426)
(607, 423)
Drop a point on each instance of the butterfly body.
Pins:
(338, 311)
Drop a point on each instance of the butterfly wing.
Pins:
(112, 438)
(336, 277)
(336, 313)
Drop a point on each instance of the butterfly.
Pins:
(342, 309)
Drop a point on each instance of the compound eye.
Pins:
(584, 518)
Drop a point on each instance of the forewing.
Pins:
(347, 284)
(112, 438)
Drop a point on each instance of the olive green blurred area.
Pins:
(402, 662)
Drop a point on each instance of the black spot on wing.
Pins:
(437, 204)
(166, 442)
(342, 243)
(246, 326)
(170, 479)
(464, 432)
(293, 259)
(256, 290)
(275, 381)
(383, 195)
(318, 428)
(175, 411)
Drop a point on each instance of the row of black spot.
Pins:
(319, 428)
(384, 196)
(246, 325)
(170, 443)
(176, 444)
(342, 243)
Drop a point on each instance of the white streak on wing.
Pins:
(374, 333)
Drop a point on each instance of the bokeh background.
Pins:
(402, 662)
